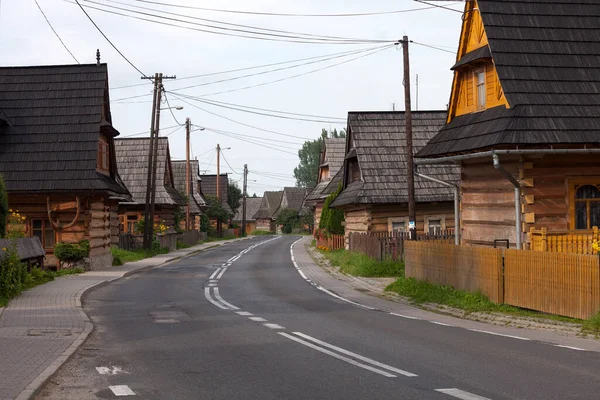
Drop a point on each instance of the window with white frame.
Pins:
(435, 224)
(398, 224)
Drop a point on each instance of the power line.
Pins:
(108, 40)
(257, 139)
(242, 69)
(433, 47)
(55, 33)
(438, 6)
(256, 143)
(147, 133)
(229, 165)
(299, 75)
(361, 14)
(265, 37)
(171, 108)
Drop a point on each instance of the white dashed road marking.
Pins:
(257, 319)
(212, 277)
(461, 394)
(110, 370)
(274, 326)
(354, 355)
(335, 355)
(209, 298)
(244, 313)
(500, 334)
(122, 390)
(220, 299)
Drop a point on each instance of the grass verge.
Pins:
(121, 256)
(260, 233)
(592, 325)
(358, 264)
(37, 277)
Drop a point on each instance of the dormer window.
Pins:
(480, 85)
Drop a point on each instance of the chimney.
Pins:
(97, 56)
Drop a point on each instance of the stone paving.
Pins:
(42, 327)
(367, 292)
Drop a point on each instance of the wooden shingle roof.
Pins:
(53, 116)
(197, 201)
(268, 206)
(379, 142)
(132, 158)
(547, 56)
(292, 198)
(209, 188)
(252, 206)
(334, 150)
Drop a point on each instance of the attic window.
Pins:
(480, 85)
(103, 156)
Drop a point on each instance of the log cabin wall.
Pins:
(549, 184)
(265, 224)
(318, 213)
(382, 215)
(487, 202)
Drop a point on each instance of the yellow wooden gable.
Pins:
(476, 86)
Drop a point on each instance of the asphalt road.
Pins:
(258, 330)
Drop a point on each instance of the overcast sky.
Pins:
(371, 82)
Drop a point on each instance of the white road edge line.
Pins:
(500, 334)
(209, 298)
(215, 273)
(461, 394)
(354, 355)
(274, 326)
(405, 316)
(334, 355)
(257, 319)
(122, 390)
(220, 299)
(440, 323)
(570, 347)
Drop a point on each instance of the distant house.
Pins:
(196, 201)
(209, 188)
(57, 155)
(132, 158)
(292, 198)
(375, 192)
(265, 216)
(331, 162)
(524, 120)
(252, 206)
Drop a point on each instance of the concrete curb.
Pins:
(33, 388)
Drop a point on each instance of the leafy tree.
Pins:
(332, 218)
(204, 223)
(216, 210)
(234, 196)
(289, 218)
(306, 172)
(3, 208)
(254, 196)
(308, 218)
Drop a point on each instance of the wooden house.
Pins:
(57, 155)
(196, 201)
(209, 188)
(524, 120)
(132, 158)
(252, 206)
(374, 196)
(265, 216)
(330, 163)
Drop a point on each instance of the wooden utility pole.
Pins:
(218, 172)
(147, 225)
(412, 213)
(244, 195)
(152, 159)
(188, 176)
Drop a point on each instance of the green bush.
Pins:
(3, 207)
(204, 223)
(67, 252)
(13, 272)
(289, 219)
(358, 264)
(332, 218)
(260, 233)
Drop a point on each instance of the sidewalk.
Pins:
(368, 293)
(41, 328)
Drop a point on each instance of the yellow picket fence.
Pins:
(578, 241)
(473, 269)
(555, 283)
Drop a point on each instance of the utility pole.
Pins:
(412, 214)
(152, 159)
(219, 222)
(188, 177)
(244, 200)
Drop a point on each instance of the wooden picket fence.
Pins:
(578, 241)
(556, 283)
(333, 242)
(473, 269)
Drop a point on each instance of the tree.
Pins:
(3, 207)
(310, 156)
(332, 218)
(254, 196)
(234, 196)
(289, 218)
(216, 210)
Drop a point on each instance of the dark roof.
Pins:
(547, 56)
(477, 54)
(179, 179)
(132, 158)
(379, 139)
(268, 206)
(209, 188)
(333, 184)
(54, 116)
(27, 248)
(292, 198)
(252, 206)
(316, 193)
(334, 149)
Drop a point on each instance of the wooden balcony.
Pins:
(577, 241)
